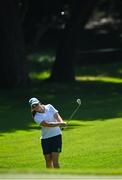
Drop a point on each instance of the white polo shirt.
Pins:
(47, 116)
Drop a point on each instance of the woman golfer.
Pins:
(49, 119)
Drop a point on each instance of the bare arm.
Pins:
(52, 124)
(58, 117)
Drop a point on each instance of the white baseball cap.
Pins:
(33, 101)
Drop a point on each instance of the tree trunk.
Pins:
(12, 48)
(63, 68)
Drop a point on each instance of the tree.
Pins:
(63, 68)
(12, 48)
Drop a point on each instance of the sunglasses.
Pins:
(34, 105)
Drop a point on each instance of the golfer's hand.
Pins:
(63, 124)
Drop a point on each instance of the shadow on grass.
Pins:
(100, 101)
(73, 126)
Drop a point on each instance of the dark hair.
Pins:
(33, 113)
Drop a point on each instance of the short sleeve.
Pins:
(53, 109)
(38, 119)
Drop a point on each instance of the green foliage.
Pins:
(40, 64)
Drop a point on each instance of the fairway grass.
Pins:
(92, 143)
(92, 147)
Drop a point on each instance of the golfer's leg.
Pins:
(55, 159)
(48, 159)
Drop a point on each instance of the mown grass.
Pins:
(93, 142)
(88, 148)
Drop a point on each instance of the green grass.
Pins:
(97, 148)
(93, 142)
(88, 148)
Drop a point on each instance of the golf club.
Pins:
(74, 112)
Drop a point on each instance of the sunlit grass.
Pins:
(40, 76)
(91, 147)
(93, 142)
(46, 74)
(99, 78)
(108, 73)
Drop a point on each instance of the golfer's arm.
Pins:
(50, 124)
(58, 117)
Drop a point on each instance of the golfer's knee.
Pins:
(49, 162)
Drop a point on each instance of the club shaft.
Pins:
(74, 112)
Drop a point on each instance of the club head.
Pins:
(79, 101)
